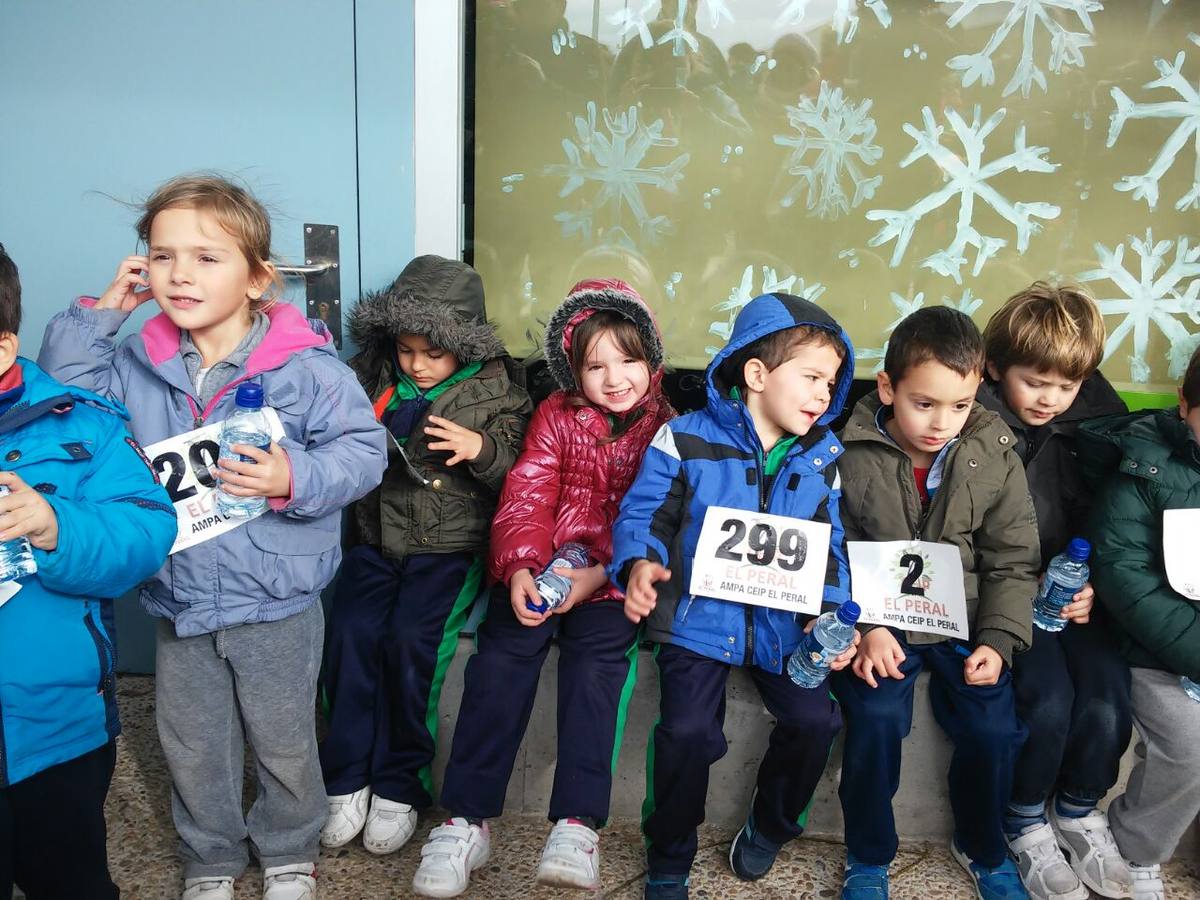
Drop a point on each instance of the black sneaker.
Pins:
(751, 855)
(665, 887)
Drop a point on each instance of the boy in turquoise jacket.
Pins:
(82, 493)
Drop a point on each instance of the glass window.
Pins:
(872, 156)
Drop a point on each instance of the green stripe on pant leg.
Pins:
(623, 703)
(802, 819)
(445, 653)
(648, 806)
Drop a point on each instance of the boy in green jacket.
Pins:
(1151, 466)
(925, 462)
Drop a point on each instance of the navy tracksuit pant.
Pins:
(688, 738)
(980, 720)
(597, 667)
(1073, 695)
(392, 633)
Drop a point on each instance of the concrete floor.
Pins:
(142, 848)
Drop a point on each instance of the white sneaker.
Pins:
(1147, 883)
(347, 813)
(571, 857)
(295, 882)
(389, 825)
(454, 850)
(1093, 853)
(220, 888)
(1044, 871)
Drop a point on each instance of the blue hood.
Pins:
(765, 315)
(43, 393)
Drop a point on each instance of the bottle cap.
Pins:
(1079, 549)
(849, 612)
(249, 395)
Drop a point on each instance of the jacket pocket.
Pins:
(105, 654)
(296, 558)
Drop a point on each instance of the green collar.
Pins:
(776, 454)
(406, 388)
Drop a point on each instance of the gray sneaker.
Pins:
(1090, 848)
(1044, 871)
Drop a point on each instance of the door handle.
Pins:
(322, 277)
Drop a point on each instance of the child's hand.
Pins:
(520, 589)
(463, 443)
(124, 293)
(641, 597)
(881, 656)
(270, 475)
(843, 659)
(983, 667)
(26, 513)
(584, 583)
(1079, 610)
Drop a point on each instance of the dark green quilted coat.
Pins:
(1142, 463)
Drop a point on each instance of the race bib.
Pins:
(761, 559)
(8, 590)
(911, 585)
(184, 465)
(1180, 528)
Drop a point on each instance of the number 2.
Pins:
(174, 462)
(726, 551)
(915, 565)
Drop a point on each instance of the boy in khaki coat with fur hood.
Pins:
(924, 461)
(455, 408)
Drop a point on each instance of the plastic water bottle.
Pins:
(1192, 689)
(831, 636)
(249, 426)
(552, 587)
(16, 556)
(1065, 577)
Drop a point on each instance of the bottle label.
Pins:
(1180, 527)
(911, 585)
(186, 466)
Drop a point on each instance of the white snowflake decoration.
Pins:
(845, 19)
(905, 307)
(1066, 47)
(616, 162)
(966, 179)
(1186, 109)
(967, 304)
(1152, 297)
(841, 134)
(744, 292)
(635, 20)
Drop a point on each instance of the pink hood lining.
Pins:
(289, 332)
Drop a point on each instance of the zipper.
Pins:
(3, 757)
(763, 502)
(104, 653)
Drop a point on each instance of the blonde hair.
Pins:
(1048, 327)
(235, 210)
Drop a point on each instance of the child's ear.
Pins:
(755, 373)
(9, 347)
(1183, 404)
(992, 371)
(261, 280)
(887, 395)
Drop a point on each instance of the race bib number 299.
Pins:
(761, 559)
(185, 465)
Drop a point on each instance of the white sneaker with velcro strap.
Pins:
(1092, 852)
(571, 857)
(215, 888)
(454, 850)
(389, 825)
(297, 881)
(1147, 883)
(345, 818)
(1044, 871)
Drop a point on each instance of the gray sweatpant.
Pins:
(215, 691)
(1163, 795)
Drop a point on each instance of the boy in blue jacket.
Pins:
(762, 444)
(82, 493)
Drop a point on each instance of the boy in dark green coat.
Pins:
(924, 461)
(455, 408)
(1151, 462)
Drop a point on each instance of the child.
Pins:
(455, 407)
(923, 460)
(763, 444)
(580, 454)
(1151, 463)
(1072, 686)
(80, 492)
(239, 641)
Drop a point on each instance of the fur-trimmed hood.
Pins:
(437, 298)
(582, 300)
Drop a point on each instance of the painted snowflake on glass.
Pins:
(967, 304)
(635, 20)
(966, 178)
(840, 132)
(615, 160)
(1186, 109)
(1153, 295)
(1066, 47)
(744, 292)
(905, 307)
(845, 17)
